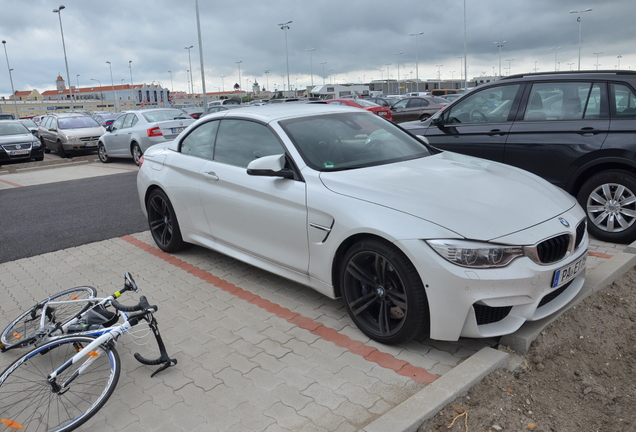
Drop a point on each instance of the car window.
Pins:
(239, 142)
(118, 123)
(200, 141)
(7, 129)
(168, 114)
(129, 120)
(400, 104)
(77, 122)
(624, 101)
(563, 101)
(351, 140)
(489, 105)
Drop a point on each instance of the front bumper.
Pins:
(480, 303)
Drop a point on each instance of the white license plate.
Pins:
(177, 130)
(566, 274)
(19, 152)
(382, 113)
(90, 144)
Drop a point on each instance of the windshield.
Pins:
(7, 129)
(351, 140)
(163, 115)
(76, 122)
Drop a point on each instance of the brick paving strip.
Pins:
(384, 360)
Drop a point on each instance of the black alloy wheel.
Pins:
(163, 223)
(383, 292)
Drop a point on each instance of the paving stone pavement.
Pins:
(255, 352)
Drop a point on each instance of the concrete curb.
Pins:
(410, 414)
(44, 167)
(599, 278)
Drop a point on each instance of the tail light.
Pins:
(154, 132)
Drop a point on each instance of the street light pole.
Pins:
(223, 83)
(619, 57)
(387, 77)
(191, 89)
(597, 54)
(58, 11)
(323, 72)
(500, 45)
(398, 77)
(267, 79)
(285, 27)
(239, 69)
(15, 102)
(556, 50)
(509, 66)
(132, 86)
(171, 86)
(417, 71)
(579, 19)
(311, 69)
(112, 83)
(205, 94)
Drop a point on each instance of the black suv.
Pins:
(574, 129)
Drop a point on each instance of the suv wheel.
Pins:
(609, 200)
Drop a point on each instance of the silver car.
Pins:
(133, 132)
(66, 133)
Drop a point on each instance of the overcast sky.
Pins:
(356, 39)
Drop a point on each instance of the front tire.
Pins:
(383, 292)
(28, 400)
(23, 330)
(609, 200)
(46, 149)
(60, 150)
(163, 223)
(101, 152)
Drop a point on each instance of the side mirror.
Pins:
(269, 166)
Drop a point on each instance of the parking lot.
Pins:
(255, 351)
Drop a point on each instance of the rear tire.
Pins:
(136, 153)
(27, 399)
(23, 330)
(609, 201)
(425, 117)
(163, 222)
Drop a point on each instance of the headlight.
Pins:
(72, 139)
(475, 254)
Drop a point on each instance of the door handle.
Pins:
(588, 131)
(211, 175)
(496, 132)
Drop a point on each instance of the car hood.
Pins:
(476, 198)
(17, 139)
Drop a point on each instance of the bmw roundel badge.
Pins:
(564, 222)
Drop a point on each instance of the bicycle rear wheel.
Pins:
(25, 329)
(29, 402)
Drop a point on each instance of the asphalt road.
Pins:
(46, 218)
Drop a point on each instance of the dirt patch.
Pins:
(579, 375)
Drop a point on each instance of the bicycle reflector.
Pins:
(11, 424)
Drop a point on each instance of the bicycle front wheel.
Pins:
(30, 402)
(25, 329)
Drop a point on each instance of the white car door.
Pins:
(262, 216)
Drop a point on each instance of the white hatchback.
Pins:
(416, 241)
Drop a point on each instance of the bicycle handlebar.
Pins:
(143, 305)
